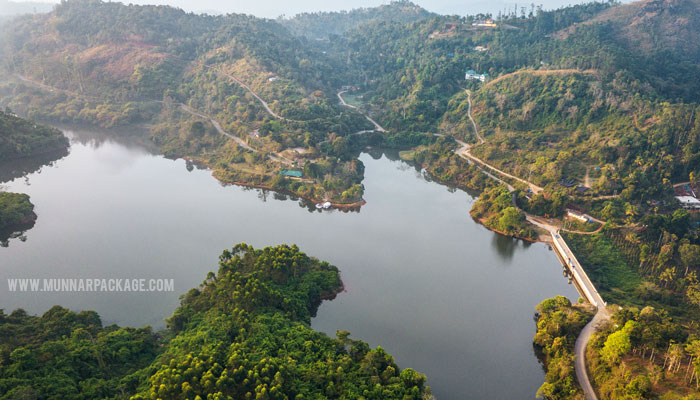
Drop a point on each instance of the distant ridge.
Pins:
(320, 25)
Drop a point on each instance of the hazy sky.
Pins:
(274, 8)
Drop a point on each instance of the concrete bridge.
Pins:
(591, 294)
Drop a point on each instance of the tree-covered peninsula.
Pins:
(243, 334)
(23, 138)
(20, 138)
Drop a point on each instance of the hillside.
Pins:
(577, 125)
(214, 89)
(659, 41)
(322, 25)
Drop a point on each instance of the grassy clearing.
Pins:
(606, 266)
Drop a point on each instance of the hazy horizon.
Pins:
(276, 8)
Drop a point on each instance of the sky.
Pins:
(275, 8)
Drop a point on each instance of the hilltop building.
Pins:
(473, 75)
(486, 24)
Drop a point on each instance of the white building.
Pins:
(689, 202)
(577, 215)
(473, 75)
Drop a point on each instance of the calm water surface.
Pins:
(436, 290)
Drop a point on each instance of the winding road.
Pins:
(240, 142)
(584, 283)
(218, 127)
(469, 113)
(251, 91)
(377, 127)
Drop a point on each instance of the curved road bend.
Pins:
(246, 87)
(218, 127)
(377, 127)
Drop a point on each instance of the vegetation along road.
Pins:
(377, 127)
(251, 91)
(584, 283)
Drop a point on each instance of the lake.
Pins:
(438, 291)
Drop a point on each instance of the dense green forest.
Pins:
(243, 334)
(644, 354)
(21, 137)
(15, 210)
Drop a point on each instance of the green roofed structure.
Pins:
(295, 174)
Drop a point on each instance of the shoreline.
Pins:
(341, 206)
(481, 221)
(332, 295)
(49, 151)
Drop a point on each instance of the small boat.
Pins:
(327, 205)
(319, 205)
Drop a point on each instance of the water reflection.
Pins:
(132, 139)
(17, 232)
(22, 167)
(506, 246)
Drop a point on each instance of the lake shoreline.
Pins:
(482, 222)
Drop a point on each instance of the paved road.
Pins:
(251, 91)
(469, 113)
(377, 127)
(465, 152)
(218, 127)
(594, 298)
(584, 283)
(580, 351)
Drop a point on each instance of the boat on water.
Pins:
(325, 205)
(319, 205)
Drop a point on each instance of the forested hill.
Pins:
(321, 25)
(87, 45)
(244, 334)
(633, 67)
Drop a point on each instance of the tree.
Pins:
(617, 344)
(690, 256)
(510, 219)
